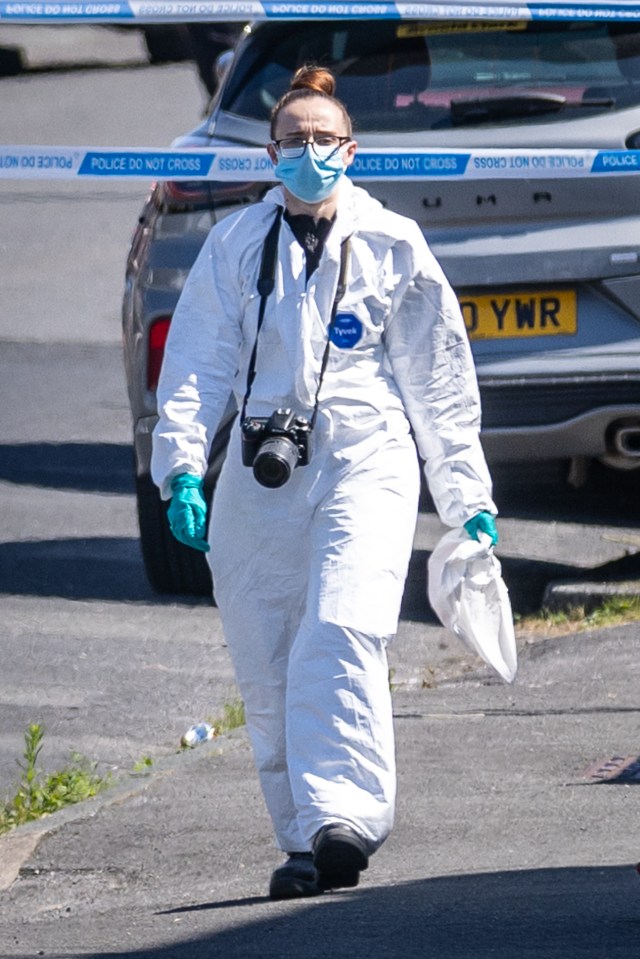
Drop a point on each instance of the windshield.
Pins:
(402, 76)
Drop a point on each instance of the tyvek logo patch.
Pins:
(346, 332)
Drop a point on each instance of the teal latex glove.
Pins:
(482, 523)
(187, 512)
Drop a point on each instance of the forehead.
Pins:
(309, 113)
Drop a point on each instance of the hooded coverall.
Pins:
(309, 577)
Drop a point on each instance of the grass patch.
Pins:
(232, 717)
(143, 765)
(36, 797)
(613, 612)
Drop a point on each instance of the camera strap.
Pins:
(345, 248)
(266, 282)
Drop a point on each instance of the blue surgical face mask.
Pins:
(310, 178)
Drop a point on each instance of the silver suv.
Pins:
(547, 270)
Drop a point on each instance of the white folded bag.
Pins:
(466, 590)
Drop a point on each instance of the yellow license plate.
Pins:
(520, 313)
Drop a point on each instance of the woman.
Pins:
(309, 575)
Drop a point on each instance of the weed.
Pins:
(36, 797)
(613, 612)
(143, 765)
(232, 717)
(618, 609)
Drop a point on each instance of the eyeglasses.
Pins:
(324, 146)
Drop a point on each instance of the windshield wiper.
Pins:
(485, 109)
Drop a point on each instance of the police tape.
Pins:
(159, 11)
(230, 163)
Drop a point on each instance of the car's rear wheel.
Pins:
(170, 566)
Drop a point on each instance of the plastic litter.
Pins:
(197, 734)
(467, 592)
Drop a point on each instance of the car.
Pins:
(201, 42)
(547, 269)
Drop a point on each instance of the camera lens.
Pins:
(275, 461)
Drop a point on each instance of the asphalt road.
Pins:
(83, 633)
(117, 673)
(88, 650)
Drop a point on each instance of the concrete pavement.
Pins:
(514, 836)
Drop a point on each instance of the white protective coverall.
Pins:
(309, 577)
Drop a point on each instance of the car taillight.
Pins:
(158, 332)
(208, 194)
(186, 193)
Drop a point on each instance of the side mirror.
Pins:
(222, 64)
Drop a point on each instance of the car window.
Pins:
(402, 76)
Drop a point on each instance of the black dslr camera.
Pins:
(275, 445)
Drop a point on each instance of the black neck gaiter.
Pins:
(311, 236)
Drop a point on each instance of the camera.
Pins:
(275, 445)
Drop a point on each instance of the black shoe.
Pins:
(295, 878)
(339, 855)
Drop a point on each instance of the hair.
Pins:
(310, 81)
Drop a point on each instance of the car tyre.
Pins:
(11, 61)
(168, 44)
(170, 566)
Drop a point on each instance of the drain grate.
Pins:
(618, 769)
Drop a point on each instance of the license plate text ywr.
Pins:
(520, 313)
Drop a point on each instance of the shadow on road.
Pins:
(526, 580)
(13, 64)
(82, 568)
(581, 913)
(95, 568)
(539, 491)
(111, 568)
(87, 467)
